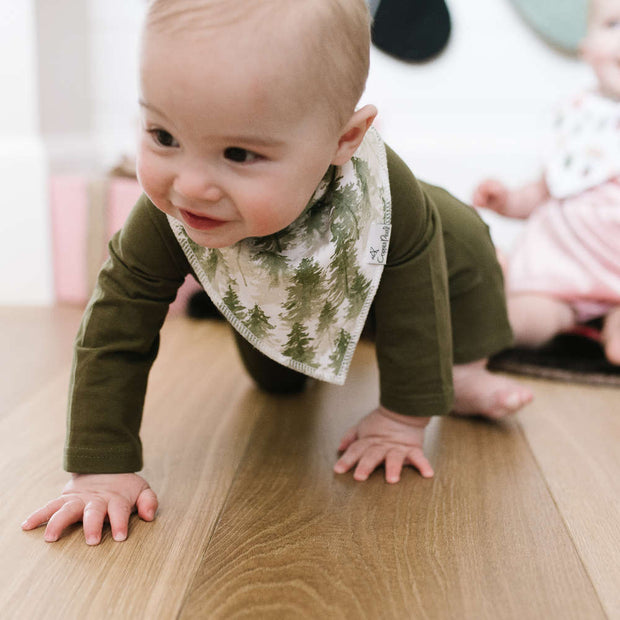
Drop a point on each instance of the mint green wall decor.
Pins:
(562, 23)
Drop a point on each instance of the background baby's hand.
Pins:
(384, 436)
(491, 194)
(91, 498)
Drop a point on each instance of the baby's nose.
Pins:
(198, 185)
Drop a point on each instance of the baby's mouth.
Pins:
(200, 222)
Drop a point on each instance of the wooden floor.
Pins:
(522, 519)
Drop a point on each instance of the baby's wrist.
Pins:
(409, 420)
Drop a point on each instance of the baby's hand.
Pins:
(491, 194)
(91, 498)
(384, 436)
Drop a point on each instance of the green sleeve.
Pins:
(118, 341)
(412, 308)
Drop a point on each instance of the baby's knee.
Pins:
(290, 382)
(268, 375)
(540, 312)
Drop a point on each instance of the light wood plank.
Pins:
(497, 534)
(574, 432)
(483, 539)
(199, 411)
(35, 343)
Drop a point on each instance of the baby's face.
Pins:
(601, 47)
(223, 148)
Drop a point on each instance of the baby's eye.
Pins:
(163, 138)
(242, 156)
(612, 23)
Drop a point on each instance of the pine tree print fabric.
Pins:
(302, 295)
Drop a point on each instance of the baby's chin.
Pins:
(207, 243)
(210, 241)
(610, 88)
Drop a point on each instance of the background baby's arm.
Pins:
(384, 436)
(91, 498)
(517, 203)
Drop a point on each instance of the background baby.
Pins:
(565, 267)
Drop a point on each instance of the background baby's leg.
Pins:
(610, 336)
(535, 319)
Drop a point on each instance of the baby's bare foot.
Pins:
(612, 351)
(610, 336)
(479, 392)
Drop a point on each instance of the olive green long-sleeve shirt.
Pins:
(440, 301)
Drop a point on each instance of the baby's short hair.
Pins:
(327, 42)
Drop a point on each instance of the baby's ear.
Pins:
(354, 133)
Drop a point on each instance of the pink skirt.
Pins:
(570, 250)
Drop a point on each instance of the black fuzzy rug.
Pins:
(574, 357)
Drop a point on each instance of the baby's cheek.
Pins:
(152, 182)
(262, 217)
(143, 171)
(273, 221)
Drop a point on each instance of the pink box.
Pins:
(122, 195)
(69, 211)
(85, 213)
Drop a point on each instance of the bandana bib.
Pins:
(586, 149)
(302, 295)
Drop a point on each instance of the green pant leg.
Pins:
(268, 375)
(477, 300)
(479, 317)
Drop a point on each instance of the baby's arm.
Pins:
(115, 347)
(411, 320)
(517, 203)
(91, 498)
(384, 436)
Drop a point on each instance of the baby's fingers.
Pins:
(416, 457)
(350, 457)
(348, 438)
(41, 516)
(394, 461)
(371, 459)
(119, 511)
(94, 516)
(480, 197)
(71, 512)
(147, 504)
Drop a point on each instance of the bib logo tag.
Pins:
(377, 246)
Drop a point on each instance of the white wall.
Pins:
(68, 71)
(476, 110)
(479, 109)
(114, 26)
(25, 274)
(87, 53)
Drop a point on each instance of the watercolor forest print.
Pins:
(301, 292)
